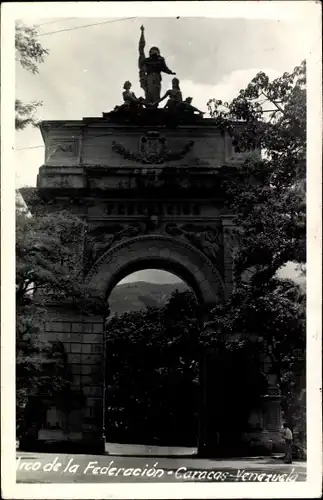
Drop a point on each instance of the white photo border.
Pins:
(310, 12)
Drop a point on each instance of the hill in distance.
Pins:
(142, 294)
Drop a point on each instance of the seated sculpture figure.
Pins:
(175, 96)
(187, 106)
(175, 101)
(129, 98)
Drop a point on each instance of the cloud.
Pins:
(291, 271)
(226, 89)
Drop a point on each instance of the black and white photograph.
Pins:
(161, 245)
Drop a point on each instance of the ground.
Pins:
(121, 465)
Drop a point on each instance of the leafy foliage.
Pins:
(152, 373)
(267, 193)
(153, 377)
(48, 250)
(25, 114)
(29, 53)
(49, 267)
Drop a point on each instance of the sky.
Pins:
(83, 74)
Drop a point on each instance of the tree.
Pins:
(153, 377)
(267, 194)
(152, 373)
(49, 268)
(29, 53)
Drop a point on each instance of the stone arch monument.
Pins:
(148, 181)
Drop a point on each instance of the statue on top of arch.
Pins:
(150, 69)
(139, 109)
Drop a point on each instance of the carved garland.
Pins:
(198, 237)
(231, 238)
(162, 158)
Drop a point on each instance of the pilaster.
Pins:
(230, 244)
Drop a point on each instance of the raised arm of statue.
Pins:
(142, 44)
(141, 60)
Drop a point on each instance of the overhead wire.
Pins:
(56, 21)
(87, 26)
(71, 29)
(29, 147)
(42, 145)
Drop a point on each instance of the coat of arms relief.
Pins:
(152, 146)
(152, 149)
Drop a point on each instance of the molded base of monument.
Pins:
(263, 442)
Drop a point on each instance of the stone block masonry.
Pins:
(82, 338)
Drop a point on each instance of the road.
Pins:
(63, 468)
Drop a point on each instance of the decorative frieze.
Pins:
(205, 238)
(153, 208)
(62, 150)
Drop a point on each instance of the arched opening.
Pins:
(185, 261)
(151, 368)
(171, 271)
(158, 252)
